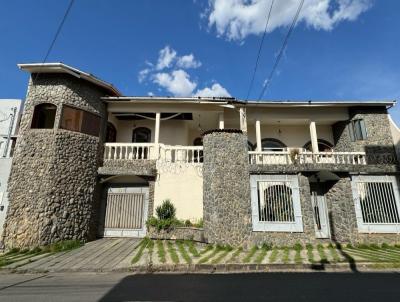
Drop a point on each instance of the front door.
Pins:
(126, 212)
(320, 212)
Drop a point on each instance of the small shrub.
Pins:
(385, 246)
(188, 223)
(199, 224)
(166, 210)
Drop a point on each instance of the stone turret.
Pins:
(226, 185)
(53, 179)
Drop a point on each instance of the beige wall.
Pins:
(295, 136)
(172, 132)
(184, 187)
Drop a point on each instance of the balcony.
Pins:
(301, 156)
(151, 151)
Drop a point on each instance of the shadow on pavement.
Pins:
(258, 287)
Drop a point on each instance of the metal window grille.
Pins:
(378, 202)
(275, 201)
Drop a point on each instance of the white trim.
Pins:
(263, 226)
(374, 227)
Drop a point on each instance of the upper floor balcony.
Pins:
(277, 135)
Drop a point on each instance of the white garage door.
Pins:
(126, 212)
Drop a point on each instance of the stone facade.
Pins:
(52, 185)
(177, 233)
(226, 186)
(379, 144)
(141, 167)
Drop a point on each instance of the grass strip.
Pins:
(235, 255)
(260, 257)
(192, 248)
(208, 248)
(274, 255)
(182, 251)
(321, 253)
(161, 251)
(334, 253)
(227, 249)
(297, 257)
(285, 257)
(310, 254)
(371, 255)
(216, 250)
(172, 252)
(250, 254)
(143, 244)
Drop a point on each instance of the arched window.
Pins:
(277, 205)
(272, 144)
(198, 141)
(44, 116)
(111, 135)
(141, 135)
(323, 146)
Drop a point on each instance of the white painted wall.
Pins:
(6, 106)
(5, 167)
(184, 187)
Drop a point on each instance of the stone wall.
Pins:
(226, 187)
(52, 185)
(141, 167)
(379, 143)
(177, 233)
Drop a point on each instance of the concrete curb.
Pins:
(221, 268)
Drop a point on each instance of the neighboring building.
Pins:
(90, 162)
(9, 118)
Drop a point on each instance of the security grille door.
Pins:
(125, 213)
(320, 212)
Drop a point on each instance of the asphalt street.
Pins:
(202, 287)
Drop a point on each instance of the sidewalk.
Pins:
(144, 256)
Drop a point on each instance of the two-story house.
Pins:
(91, 162)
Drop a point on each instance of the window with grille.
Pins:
(276, 203)
(376, 203)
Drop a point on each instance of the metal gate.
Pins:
(125, 214)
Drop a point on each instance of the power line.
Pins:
(278, 58)
(259, 51)
(56, 35)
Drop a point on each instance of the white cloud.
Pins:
(236, 19)
(143, 74)
(177, 82)
(169, 73)
(216, 90)
(166, 56)
(187, 62)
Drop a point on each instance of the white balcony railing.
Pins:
(140, 151)
(181, 154)
(346, 158)
(270, 157)
(306, 157)
(130, 151)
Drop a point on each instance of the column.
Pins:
(258, 135)
(314, 138)
(221, 122)
(243, 119)
(157, 135)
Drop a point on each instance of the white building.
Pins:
(10, 112)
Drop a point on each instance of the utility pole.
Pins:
(10, 128)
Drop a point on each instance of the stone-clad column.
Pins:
(226, 185)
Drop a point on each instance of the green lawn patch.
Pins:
(182, 251)
(334, 253)
(274, 255)
(250, 254)
(310, 254)
(140, 249)
(297, 257)
(321, 253)
(161, 251)
(192, 248)
(216, 250)
(263, 252)
(172, 252)
(226, 250)
(235, 255)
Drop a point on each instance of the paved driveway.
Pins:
(107, 254)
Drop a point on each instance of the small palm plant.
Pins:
(166, 210)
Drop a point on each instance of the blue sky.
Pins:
(340, 49)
